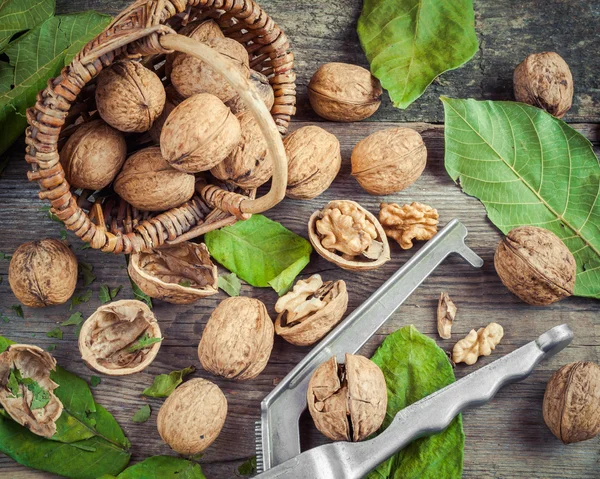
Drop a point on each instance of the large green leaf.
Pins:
(410, 42)
(35, 57)
(20, 15)
(528, 168)
(161, 467)
(414, 367)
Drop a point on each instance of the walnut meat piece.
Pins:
(408, 222)
(477, 343)
(178, 274)
(347, 401)
(262, 86)
(310, 310)
(544, 80)
(192, 417)
(37, 412)
(108, 340)
(534, 264)
(446, 312)
(572, 402)
(237, 340)
(129, 97)
(43, 273)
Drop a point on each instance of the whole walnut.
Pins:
(263, 88)
(544, 80)
(314, 160)
(129, 97)
(199, 133)
(248, 165)
(173, 99)
(572, 402)
(535, 264)
(192, 417)
(149, 183)
(191, 76)
(343, 92)
(43, 273)
(388, 161)
(347, 401)
(237, 340)
(93, 155)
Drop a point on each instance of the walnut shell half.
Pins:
(107, 338)
(178, 274)
(35, 363)
(347, 401)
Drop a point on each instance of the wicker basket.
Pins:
(147, 30)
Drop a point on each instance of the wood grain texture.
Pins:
(506, 438)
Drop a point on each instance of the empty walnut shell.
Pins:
(107, 336)
(34, 363)
(43, 273)
(354, 229)
(237, 340)
(263, 88)
(199, 133)
(343, 92)
(535, 264)
(572, 402)
(347, 401)
(129, 97)
(93, 155)
(149, 183)
(178, 274)
(310, 310)
(192, 417)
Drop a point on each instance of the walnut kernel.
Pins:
(446, 312)
(477, 343)
(408, 222)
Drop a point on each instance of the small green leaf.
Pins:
(63, 234)
(4, 318)
(80, 299)
(143, 342)
(5, 256)
(248, 468)
(186, 283)
(51, 347)
(115, 291)
(230, 283)
(48, 211)
(13, 383)
(85, 246)
(18, 309)
(142, 414)
(104, 294)
(41, 396)
(55, 333)
(161, 467)
(94, 381)
(165, 384)
(75, 319)
(86, 271)
(140, 295)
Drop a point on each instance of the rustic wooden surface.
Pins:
(506, 438)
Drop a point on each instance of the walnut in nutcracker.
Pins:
(237, 340)
(310, 310)
(43, 273)
(534, 264)
(347, 401)
(408, 222)
(388, 161)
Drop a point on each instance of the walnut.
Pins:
(173, 99)
(129, 97)
(408, 222)
(178, 274)
(263, 88)
(191, 76)
(343, 92)
(389, 160)
(237, 340)
(109, 338)
(248, 165)
(192, 417)
(347, 401)
(310, 310)
(149, 183)
(348, 235)
(93, 155)
(544, 80)
(572, 402)
(43, 273)
(37, 411)
(477, 343)
(199, 133)
(535, 264)
(314, 160)
(446, 312)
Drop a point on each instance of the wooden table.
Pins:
(506, 438)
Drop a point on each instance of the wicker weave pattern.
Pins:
(113, 225)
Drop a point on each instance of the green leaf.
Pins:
(143, 342)
(52, 216)
(5, 256)
(20, 15)
(104, 294)
(74, 320)
(142, 414)
(94, 381)
(41, 396)
(18, 309)
(260, 251)
(115, 291)
(163, 467)
(34, 58)
(80, 299)
(137, 292)
(4, 318)
(248, 468)
(51, 347)
(186, 283)
(55, 333)
(414, 367)
(13, 383)
(528, 168)
(410, 42)
(230, 283)
(165, 384)
(86, 271)
(63, 234)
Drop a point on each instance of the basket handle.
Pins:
(248, 94)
